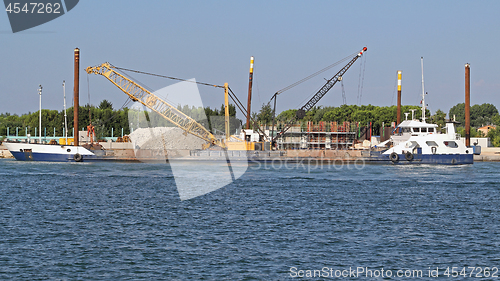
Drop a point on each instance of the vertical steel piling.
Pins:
(399, 97)
(76, 92)
(467, 104)
(250, 82)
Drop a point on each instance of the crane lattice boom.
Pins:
(321, 93)
(138, 93)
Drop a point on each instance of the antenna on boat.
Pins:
(412, 114)
(406, 115)
(65, 117)
(423, 91)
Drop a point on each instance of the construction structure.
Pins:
(301, 113)
(322, 135)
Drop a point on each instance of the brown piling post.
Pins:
(250, 82)
(76, 93)
(399, 97)
(467, 105)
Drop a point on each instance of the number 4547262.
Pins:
(39, 8)
(471, 271)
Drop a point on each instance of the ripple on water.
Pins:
(117, 221)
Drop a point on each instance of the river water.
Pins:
(115, 221)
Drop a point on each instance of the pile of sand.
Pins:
(164, 138)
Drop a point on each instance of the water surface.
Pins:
(112, 221)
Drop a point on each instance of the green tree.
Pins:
(105, 105)
(474, 133)
(495, 120)
(457, 113)
(480, 115)
(439, 118)
(286, 115)
(265, 115)
(494, 135)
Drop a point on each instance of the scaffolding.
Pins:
(322, 135)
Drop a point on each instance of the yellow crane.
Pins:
(138, 93)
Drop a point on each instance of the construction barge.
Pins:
(319, 143)
(315, 142)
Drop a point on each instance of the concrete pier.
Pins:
(4, 153)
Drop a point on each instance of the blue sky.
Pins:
(212, 41)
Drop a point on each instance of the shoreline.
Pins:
(488, 154)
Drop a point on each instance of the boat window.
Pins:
(431, 143)
(431, 130)
(423, 130)
(406, 130)
(451, 144)
(416, 130)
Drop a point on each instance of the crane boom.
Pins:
(321, 93)
(138, 93)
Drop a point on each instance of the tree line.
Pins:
(106, 120)
(364, 114)
(481, 115)
(103, 116)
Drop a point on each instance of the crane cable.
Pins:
(362, 67)
(233, 96)
(343, 91)
(168, 77)
(137, 81)
(316, 73)
(311, 76)
(241, 107)
(115, 113)
(394, 91)
(231, 93)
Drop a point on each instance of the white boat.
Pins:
(23, 151)
(418, 142)
(28, 151)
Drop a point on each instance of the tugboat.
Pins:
(424, 145)
(418, 142)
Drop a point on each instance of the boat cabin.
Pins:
(409, 128)
(414, 128)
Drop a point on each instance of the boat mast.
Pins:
(423, 91)
(65, 117)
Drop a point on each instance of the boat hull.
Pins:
(439, 159)
(49, 153)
